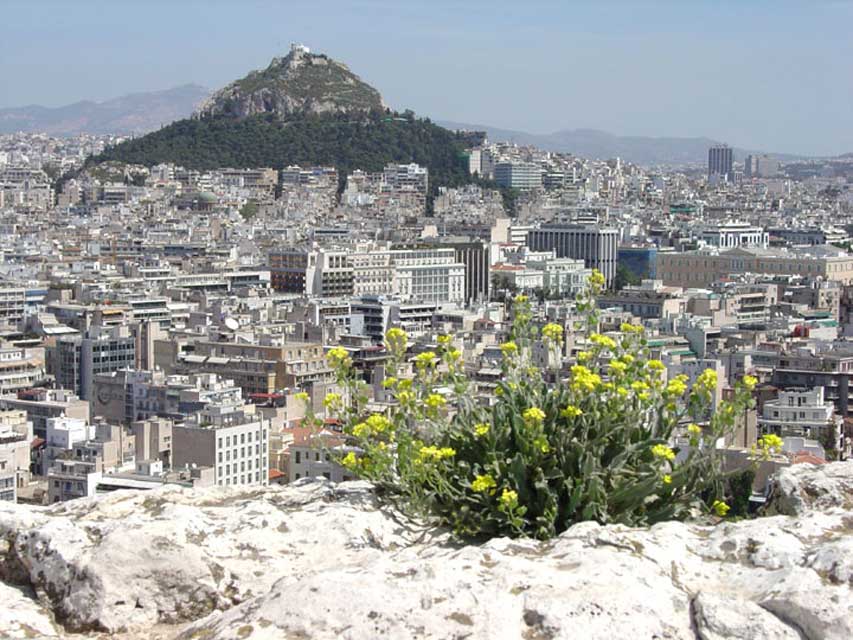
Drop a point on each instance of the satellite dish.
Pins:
(232, 324)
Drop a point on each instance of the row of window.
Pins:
(243, 479)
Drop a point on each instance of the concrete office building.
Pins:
(518, 175)
(76, 360)
(595, 245)
(721, 162)
(476, 256)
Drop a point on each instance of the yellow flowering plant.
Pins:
(599, 444)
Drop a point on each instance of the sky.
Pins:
(769, 75)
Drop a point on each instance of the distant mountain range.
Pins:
(277, 89)
(130, 114)
(591, 143)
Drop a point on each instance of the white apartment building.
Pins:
(13, 303)
(800, 412)
(20, 368)
(232, 440)
(373, 273)
(429, 275)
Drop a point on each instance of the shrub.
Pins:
(541, 457)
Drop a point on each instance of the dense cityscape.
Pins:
(155, 315)
(203, 314)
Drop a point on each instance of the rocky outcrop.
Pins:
(315, 560)
(300, 83)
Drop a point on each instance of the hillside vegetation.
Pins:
(369, 143)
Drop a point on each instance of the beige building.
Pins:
(16, 433)
(43, 404)
(702, 268)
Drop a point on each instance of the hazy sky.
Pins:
(774, 75)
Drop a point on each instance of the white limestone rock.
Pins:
(720, 617)
(315, 560)
(804, 488)
(22, 617)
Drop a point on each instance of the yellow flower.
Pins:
(509, 500)
(361, 430)
(655, 365)
(583, 379)
(627, 358)
(771, 441)
(338, 357)
(553, 333)
(663, 451)
(521, 299)
(604, 342)
(378, 423)
(541, 443)
(584, 356)
(708, 379)
(618, 367)
(444, 340)
(405, 397)
(395, 334)
(597, 278)
(435, 454)
(331, 400)
(694, 428)
(435, 401)
(481, 429)
(675, 388)
(571, 411)
(454, 354)
(721, 508)
(639, 385)
(749, 382)
(349, 461)
(425, 359)
(622, 391)
(509, 349)
(389, 382)
(667, 479)
(483, 484)
(643, 396)
(534, 415)
(302, 396)
(626, 327)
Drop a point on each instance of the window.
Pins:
(298, 459)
